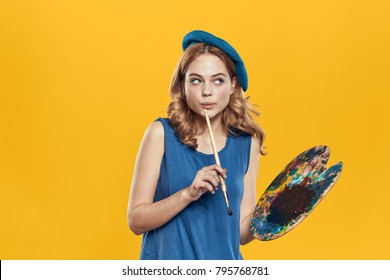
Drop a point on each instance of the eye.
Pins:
(219, 81)
(195, 81)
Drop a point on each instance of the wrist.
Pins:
(186, 196)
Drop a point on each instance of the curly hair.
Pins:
(236, 116)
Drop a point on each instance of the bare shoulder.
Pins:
(154, 135)
(152, 145)
(155, 130)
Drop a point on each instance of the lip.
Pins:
(207, 105)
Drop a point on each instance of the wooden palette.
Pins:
(294, 193)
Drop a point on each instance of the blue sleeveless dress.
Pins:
(203, 230)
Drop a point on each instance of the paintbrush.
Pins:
(222, 181)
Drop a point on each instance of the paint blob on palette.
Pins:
(294, 193)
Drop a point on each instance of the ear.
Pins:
(234, 82)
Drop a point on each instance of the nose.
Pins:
(206, 92)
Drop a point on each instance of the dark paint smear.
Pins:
(312, 153)
(290, 203)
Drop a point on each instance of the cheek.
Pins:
(191, 95)
(226, 100)
(224, 95)
(189, 91)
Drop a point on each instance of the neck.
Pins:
(219, 132)
(215, 122)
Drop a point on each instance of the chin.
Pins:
(213, 113)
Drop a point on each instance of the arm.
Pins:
(248, 201)
(143, 214)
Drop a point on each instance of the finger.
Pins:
(317, 170)
(215, 173)
(309, 167)
(315, 152)
(296, 169)
(308, 159)
(221, 171)
(325, 156)
(216, 178)
(209, 187)
(316, 164)
(211, 168)
(212, 179)
(303, 173)
(209, 176)
(314, 168)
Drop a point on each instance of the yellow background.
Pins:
(81, 80)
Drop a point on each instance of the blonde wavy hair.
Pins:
(236, 116)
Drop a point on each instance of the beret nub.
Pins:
(199, 36)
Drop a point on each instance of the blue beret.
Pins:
(199, 36)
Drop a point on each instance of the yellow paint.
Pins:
(81, 80)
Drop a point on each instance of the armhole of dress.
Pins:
(248, 157)
(162, 165)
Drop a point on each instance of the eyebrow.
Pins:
(215, 75)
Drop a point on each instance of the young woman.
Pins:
(175, 201)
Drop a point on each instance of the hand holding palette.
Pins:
(294, 193)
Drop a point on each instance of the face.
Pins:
(208, 85)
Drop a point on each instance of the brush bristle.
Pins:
(229, 211)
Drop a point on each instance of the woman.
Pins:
(174, 200)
